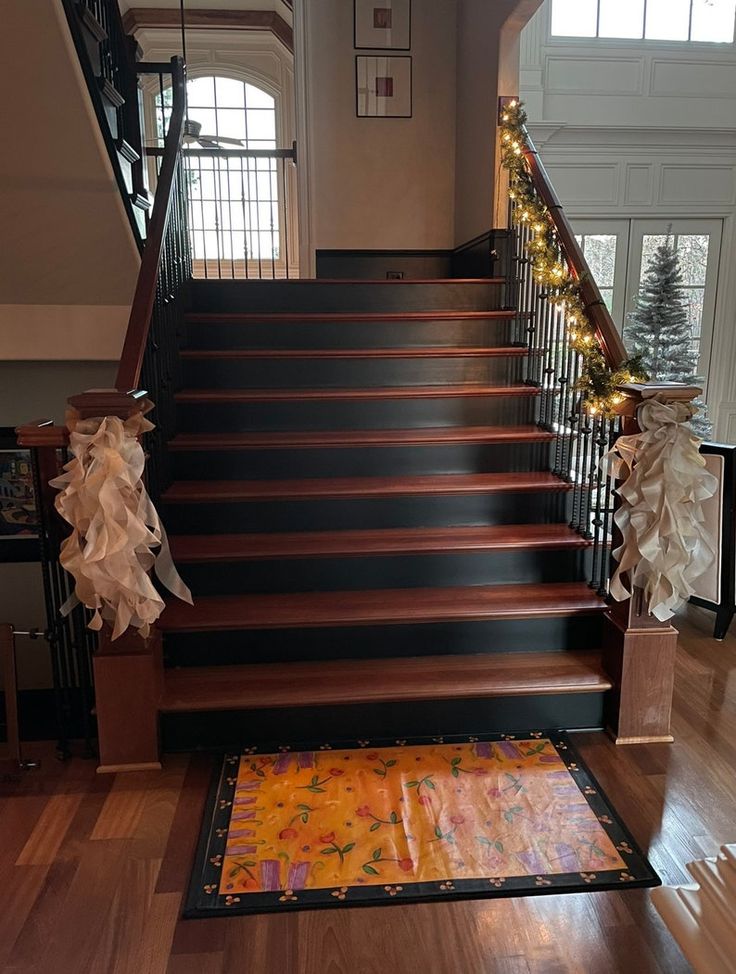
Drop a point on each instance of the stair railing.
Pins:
(148, 372)
(107, 56)
(589, 394)
(248, 192)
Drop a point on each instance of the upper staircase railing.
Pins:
(107, 56)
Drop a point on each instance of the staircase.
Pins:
(362, 503)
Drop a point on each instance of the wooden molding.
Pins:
(42, 432)
(107, 402)
(139, 18)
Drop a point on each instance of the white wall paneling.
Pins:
(635, 131)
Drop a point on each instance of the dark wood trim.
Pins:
(42, 432)
(107, 402)
(247, 318)
(138, 18)
(364, 681)
(352, 395)
(301, 439)
(382, 607)
(426, 351)
(219, 548)
(220, 491)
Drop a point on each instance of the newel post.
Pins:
(127, 670)
(638, 649)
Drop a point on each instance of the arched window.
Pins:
(226, 107)
(236, 202)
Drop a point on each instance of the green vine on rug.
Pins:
(597, 382)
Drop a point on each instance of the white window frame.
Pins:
(568, 40)
(684, 225)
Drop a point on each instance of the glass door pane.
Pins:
(697, 244)
(604, 244)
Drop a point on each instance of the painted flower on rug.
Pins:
(386, 816)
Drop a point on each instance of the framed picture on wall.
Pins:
(383, 24)
(383, 86)
(18, 519)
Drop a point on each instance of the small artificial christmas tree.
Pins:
(658, 332)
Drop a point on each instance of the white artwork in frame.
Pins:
(383, 24)
(383, 86)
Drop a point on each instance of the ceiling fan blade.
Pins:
(214, 141)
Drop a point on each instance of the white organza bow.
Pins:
(114, 526)
(665, 545)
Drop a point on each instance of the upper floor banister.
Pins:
(107, 56)
(168, 207)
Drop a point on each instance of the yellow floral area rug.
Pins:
(370, 822)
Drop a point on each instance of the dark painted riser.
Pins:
(233, 417)
(405, 571)
(309, 373)
(274, 297)
(393, 512)
(583, 632)
(490, 333)
(358, 461)
(222, 729)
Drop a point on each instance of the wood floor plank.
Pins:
(104, 907)
(49, 832)
(123, 807)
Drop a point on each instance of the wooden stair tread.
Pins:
(409, 351)
(384, 437)
(390, 541)
(208, 491)
(260, 317)
(296, 684)
(378, 392)
(381, 607)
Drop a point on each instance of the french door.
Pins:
(619, 251)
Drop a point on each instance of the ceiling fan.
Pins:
(192, 129)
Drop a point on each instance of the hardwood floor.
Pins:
(92, 868)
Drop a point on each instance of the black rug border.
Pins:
(637, 863)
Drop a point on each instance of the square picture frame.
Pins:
(383, 86)
(382, 25)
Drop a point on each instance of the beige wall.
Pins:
(380, 183)
(487, 67)
(32, 390)
(65, 237)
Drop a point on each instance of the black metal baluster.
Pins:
(285, 174)
(258, 223)
(608, 508)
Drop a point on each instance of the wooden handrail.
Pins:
(606, 331)
(136, 337)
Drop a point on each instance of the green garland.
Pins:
(598, 381)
